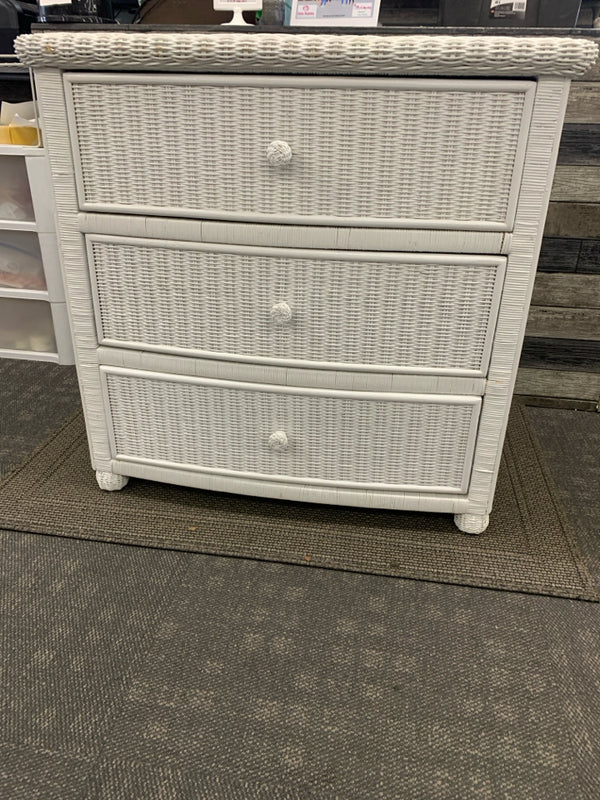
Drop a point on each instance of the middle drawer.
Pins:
(332, 309)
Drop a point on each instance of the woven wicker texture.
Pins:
(307, 53)
(544, 135)
(462, 169)
(428, 315)
(341, 439)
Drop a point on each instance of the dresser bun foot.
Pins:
(472, 523)
(110, 482)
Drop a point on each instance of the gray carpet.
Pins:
(35, 399)
(131, 672)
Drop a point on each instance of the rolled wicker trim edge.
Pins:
(309, 53)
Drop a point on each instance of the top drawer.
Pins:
(434, 153)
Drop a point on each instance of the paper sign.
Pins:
(237, 5)
(358, 13)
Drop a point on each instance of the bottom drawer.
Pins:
(363, 440)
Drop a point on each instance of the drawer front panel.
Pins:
(385, 311)
(354, 439)
(440, 153)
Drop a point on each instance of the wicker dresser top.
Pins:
(309, 53)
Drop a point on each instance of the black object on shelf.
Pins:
(15, 18)
(511, 14)
(15, 83)
(77, 11)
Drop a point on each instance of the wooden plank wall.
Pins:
(561, 353)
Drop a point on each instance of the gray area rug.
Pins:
(528, 546)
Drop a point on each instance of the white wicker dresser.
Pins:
(299, 265)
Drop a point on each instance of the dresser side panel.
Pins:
(542, 150)
(73, 262)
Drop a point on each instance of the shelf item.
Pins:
(34, 320)
(320, 294)
(510, 13)
(15, 195)
(18, 124)
(21, 135)
(26, 325)
(21, 265)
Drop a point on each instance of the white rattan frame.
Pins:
(310, 53)
(318, 237)
(351, 380)
(552, 62)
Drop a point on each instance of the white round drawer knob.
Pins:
(281, 313)
(279, 153)
(278, 441)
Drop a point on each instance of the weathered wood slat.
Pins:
(564, 323)
(555, 383)
(560, 362)
(589, 256)
(559, 255)
(580, 145)
(584, 102)
(573, 220)
(561, 354)
(568, 291)
(581, 256)
(576, 185)
(555, 402)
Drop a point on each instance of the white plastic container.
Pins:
(21, 265)
(15, 196)
(26, 325)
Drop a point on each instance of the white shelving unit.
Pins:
(33, 315)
